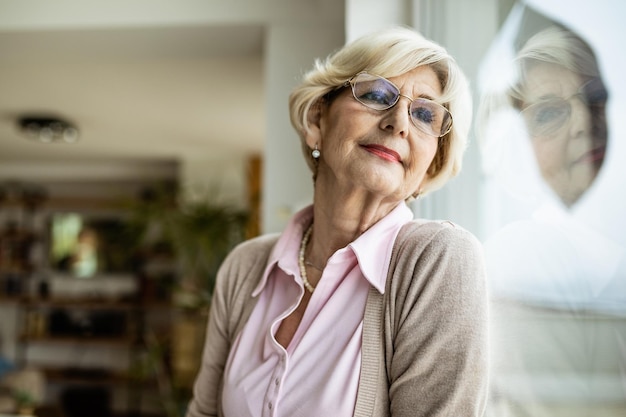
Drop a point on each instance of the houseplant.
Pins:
(198, 235)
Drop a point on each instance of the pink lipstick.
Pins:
(383, 152)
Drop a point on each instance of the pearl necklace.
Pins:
(305, 240)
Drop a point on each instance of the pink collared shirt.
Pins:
(318, 373)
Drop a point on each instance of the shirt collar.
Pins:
(285, 252)
(372, 249)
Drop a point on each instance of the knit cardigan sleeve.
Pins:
(435, 324)
(231, 306)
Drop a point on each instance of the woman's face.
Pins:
(560, 124)
(380, 152)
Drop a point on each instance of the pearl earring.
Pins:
(315, 153)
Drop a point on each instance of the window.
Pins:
(554, 206)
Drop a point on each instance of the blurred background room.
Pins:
(141, 139)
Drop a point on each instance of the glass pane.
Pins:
(549, 124)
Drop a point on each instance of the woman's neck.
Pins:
(340, 217)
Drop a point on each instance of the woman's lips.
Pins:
(593, 155)
(383, 152)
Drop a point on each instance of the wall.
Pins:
(290, 51)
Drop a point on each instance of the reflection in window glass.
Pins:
(556, 252)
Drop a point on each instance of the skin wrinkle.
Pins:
(361, 188)
(562, 155)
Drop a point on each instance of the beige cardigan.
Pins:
(424, 350)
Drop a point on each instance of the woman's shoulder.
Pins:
(255, 247)
(248, 257)
(437, 234)
(243, 267)
(435, 260)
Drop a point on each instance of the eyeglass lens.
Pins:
(381, 94)
(548, 116)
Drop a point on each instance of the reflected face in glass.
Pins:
(564, 114)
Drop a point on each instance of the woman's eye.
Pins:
(378, 96)
(423, 114)
(549, 114)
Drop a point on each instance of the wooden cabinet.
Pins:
(86, 333)
(128, 340)
(92, 345)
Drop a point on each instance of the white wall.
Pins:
(364, 16)
(290, 51)
(220, 180)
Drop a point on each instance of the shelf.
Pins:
(54, 410)
(83, 332)
(123, 341)
(83, 375)
(10, 299)
(83, 303)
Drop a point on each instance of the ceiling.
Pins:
(143, 94)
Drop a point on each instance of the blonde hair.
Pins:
(391, 53)
(557, 46)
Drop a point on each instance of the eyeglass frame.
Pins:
(581, 93)
(350, 83)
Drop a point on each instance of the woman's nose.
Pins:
(397, 119)
(580, 118)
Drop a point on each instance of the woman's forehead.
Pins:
(419, 82)
(547, 80)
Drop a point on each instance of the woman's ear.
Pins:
(314, 117)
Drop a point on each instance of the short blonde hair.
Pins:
(557, 46)
(554, 45)
(391, 53)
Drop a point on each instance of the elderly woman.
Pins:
(563, 100)
(356, 309)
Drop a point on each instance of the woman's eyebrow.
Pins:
(543, 97)
(427, 96)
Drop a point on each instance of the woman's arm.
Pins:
(231, 306)
(207, 388)
(437, 360)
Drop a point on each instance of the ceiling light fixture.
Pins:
(48, 129)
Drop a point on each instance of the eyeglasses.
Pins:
(378, 93)
(547, 116)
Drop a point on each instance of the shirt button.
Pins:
(269, 405)
(276, 381)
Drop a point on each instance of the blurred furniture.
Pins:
(21, 391)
